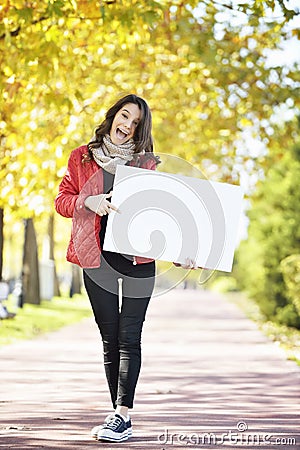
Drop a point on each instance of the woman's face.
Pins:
(124, 124)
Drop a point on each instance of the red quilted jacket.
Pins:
(83, 178)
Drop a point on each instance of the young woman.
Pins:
(124, 137)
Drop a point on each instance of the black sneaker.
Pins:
(129, 427)
(115, 430)
(96, 429)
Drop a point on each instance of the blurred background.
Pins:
(222, 80)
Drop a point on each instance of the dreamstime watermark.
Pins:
(240, 436)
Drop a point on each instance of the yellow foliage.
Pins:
(63, 64)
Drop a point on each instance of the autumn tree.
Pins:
(202, 66)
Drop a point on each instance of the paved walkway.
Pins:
(209, 380)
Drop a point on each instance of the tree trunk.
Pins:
(30, 271)
(1, 240)
(76, 280)
(51, 253)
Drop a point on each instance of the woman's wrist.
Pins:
(87, 202)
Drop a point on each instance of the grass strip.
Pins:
(287, 337)
(34, 320)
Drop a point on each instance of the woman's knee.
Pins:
(130, 338)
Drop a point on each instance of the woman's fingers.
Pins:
(100, 204)
(104, 209)
(114, 208)
(107, 208)
(194, 265)
(110, 205)
(189, 264)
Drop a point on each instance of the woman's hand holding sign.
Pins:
(189, 264)
(99, 204)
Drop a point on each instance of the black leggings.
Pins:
(120, 329)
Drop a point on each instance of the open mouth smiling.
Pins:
(121, 134)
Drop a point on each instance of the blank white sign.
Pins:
(171, 217)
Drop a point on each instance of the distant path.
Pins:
(206, 371)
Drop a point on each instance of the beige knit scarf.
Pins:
(108, 155)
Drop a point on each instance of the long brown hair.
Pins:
(142, 136)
